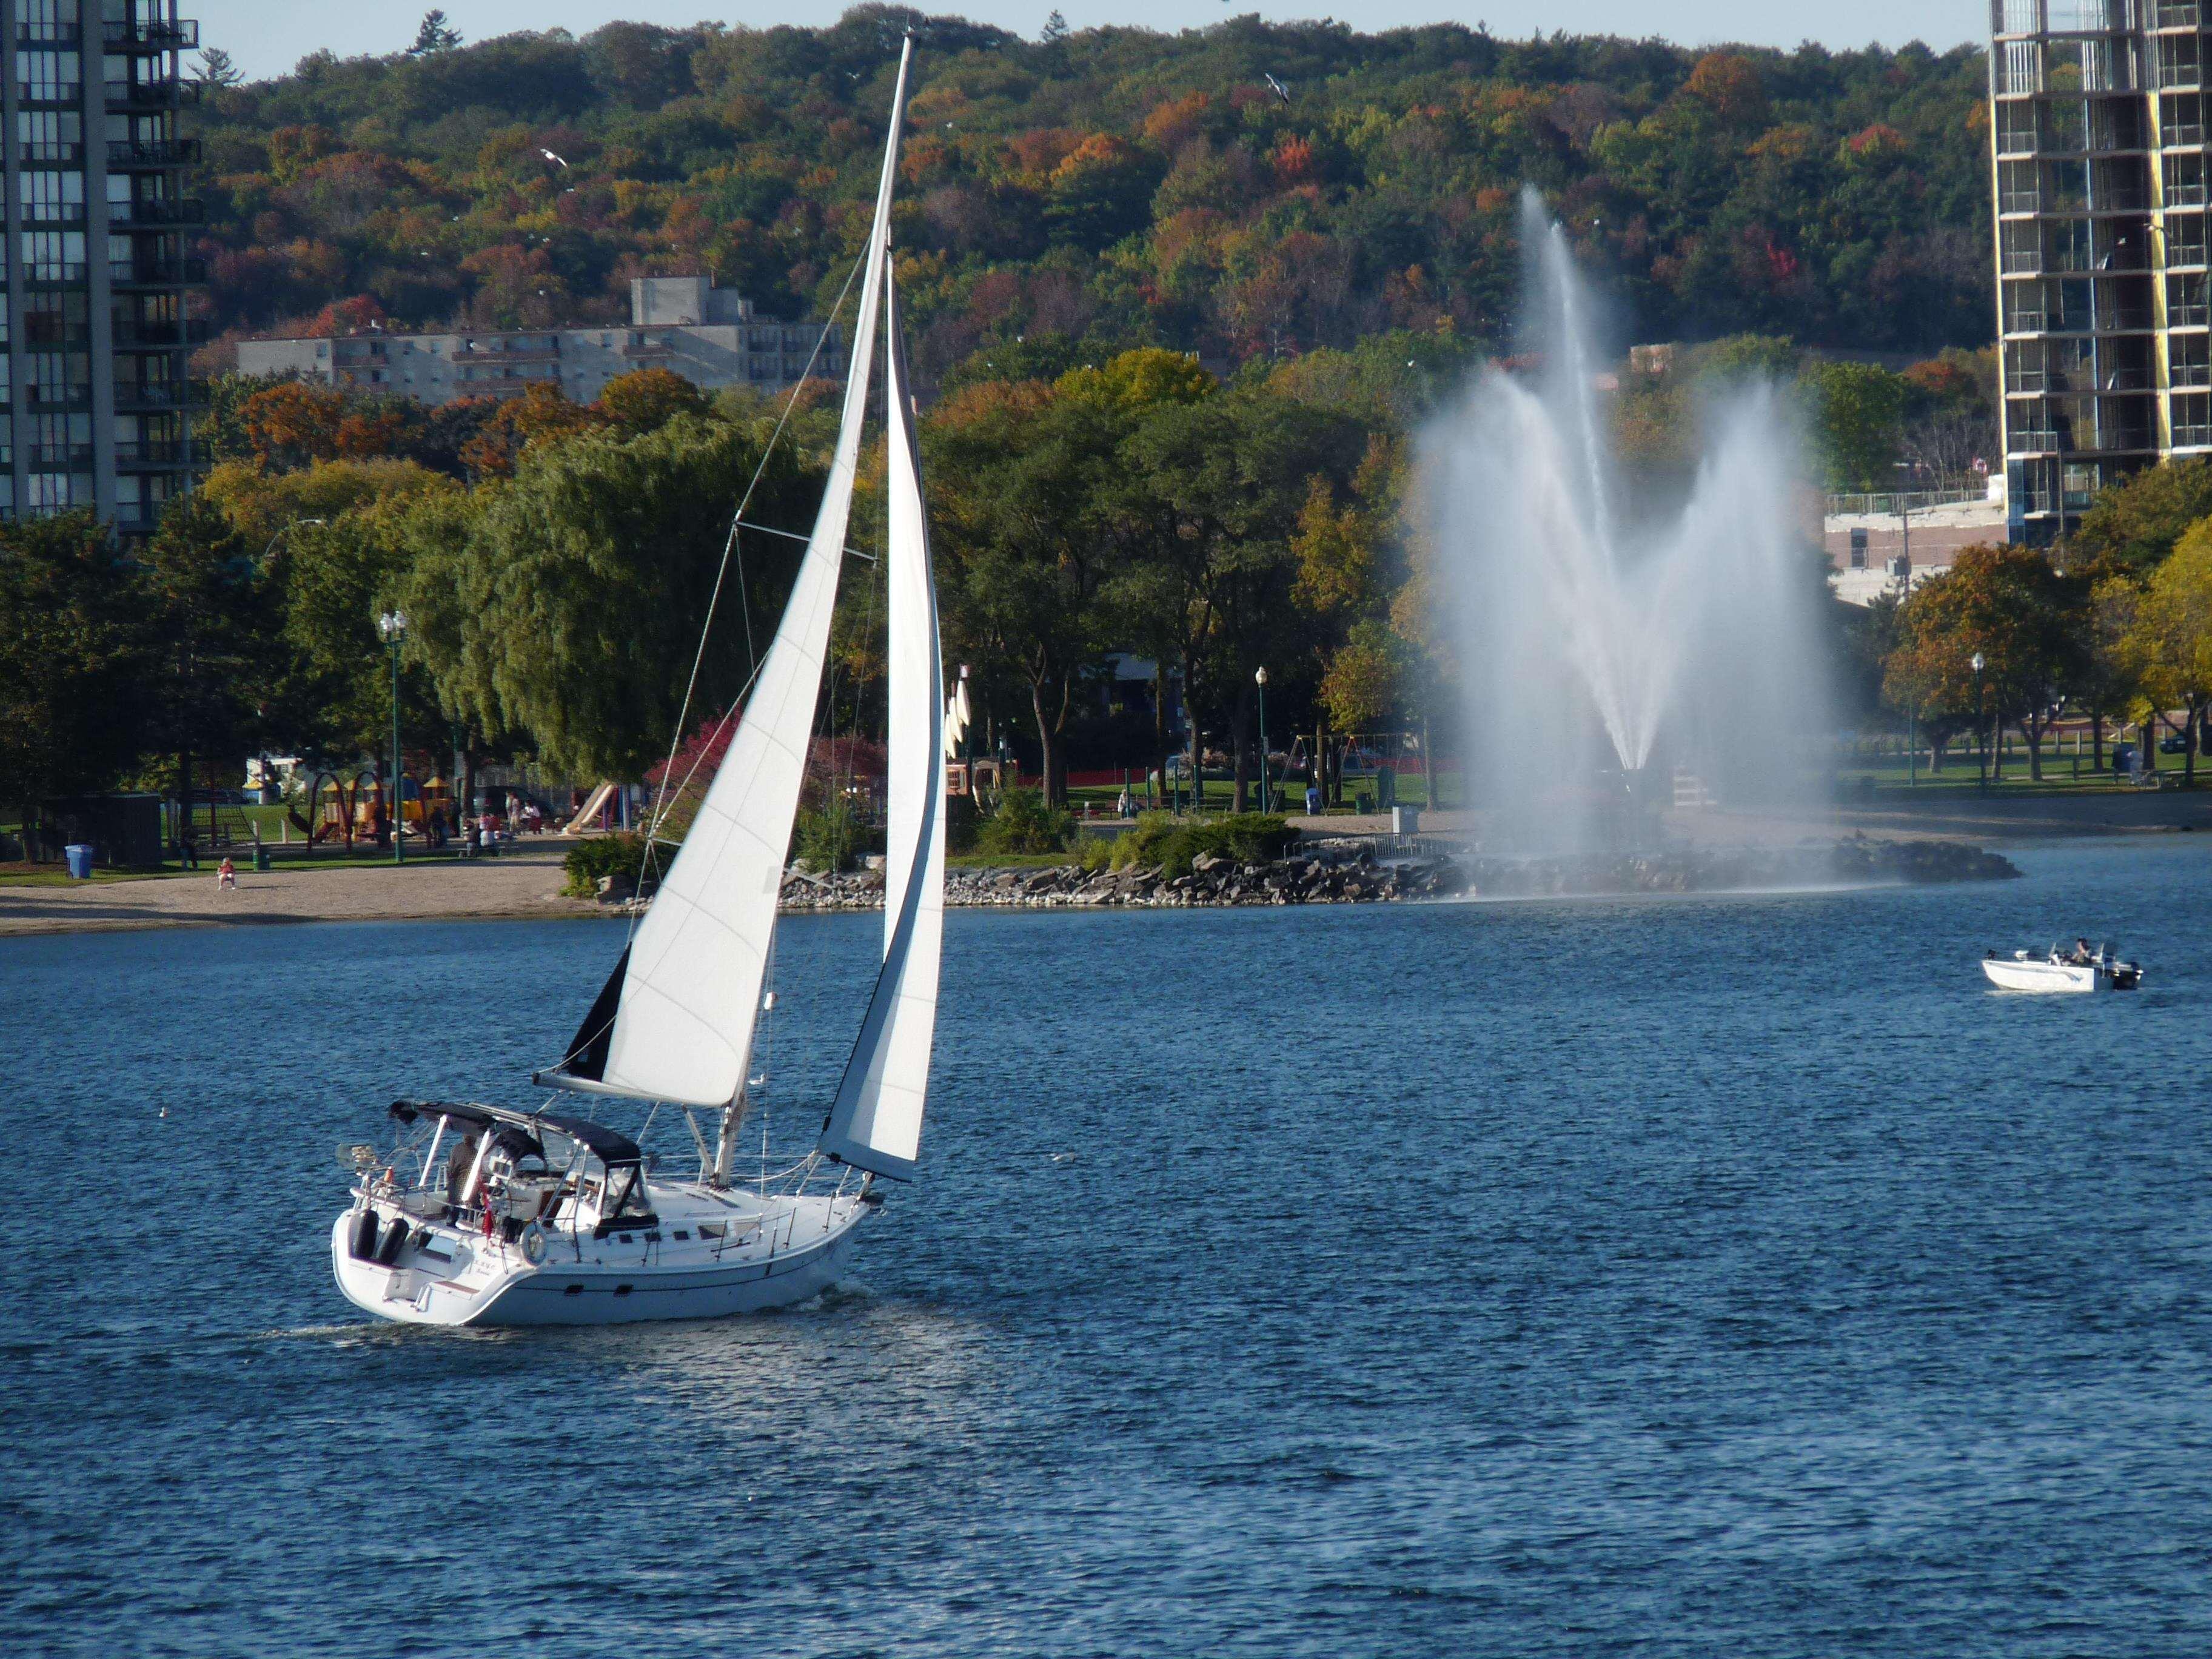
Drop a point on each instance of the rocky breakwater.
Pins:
(1349, 873)
(1332, 876)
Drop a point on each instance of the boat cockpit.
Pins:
(487, 1168)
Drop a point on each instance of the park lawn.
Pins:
(1007, 860)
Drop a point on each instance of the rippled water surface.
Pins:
(1679, 1277)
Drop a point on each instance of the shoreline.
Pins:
(523, 885)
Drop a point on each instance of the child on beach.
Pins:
(226, 873)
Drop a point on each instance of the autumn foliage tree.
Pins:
(2026, 621)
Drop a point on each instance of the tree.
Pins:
(2172, 638)
(542, 415)
(568, 603)
(2133, 524)
(72, 660)
(1019, 470)
(435, 34)
(215, 69)
(646, 399)
(212, 630)
(1857, 412)
(1204, 501)
(2026, 621)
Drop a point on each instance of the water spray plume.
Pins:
(1685, 632)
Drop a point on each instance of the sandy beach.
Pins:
(526, 882)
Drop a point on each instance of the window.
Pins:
(49, 77)
(53, 198)
(53, 255)
(50, 136)
(45, 20)
(55, 319)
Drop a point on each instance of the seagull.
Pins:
(1279, 88)
(551, 156)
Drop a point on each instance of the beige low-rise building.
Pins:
(1883, 545)
(711, 337)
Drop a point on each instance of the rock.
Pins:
(616, 889)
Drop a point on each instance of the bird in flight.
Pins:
(1278, 89)
(551, 156)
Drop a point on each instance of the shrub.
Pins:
(1170, 844)
(602, 855)
(827, 841)
(1024, 823)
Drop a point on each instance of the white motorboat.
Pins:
(545, 1216)
(2079, 969)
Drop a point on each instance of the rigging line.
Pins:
(793, 535)
(729, 545)
(730, 549)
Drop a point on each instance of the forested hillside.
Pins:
(1113, 187)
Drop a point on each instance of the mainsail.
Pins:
(875, 1123)
(686, 994)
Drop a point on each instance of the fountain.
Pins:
(1607, 643)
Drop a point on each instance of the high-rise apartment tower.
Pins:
(97, 274)
(2097, 110)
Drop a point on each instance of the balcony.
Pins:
(500, 386)
(124, 215)
(58, 458)
(148, 458)
(131, 154)
(52, 34)
(58, 397)
(132, 335)
(149, 35)
(159, 273)
(52, 273)
(152, 94)
(149, 395)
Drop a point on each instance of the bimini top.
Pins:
(607, 1145)
(610, 1146)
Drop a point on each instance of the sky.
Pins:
(267, 37)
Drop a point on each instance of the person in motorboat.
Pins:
(2081, 956)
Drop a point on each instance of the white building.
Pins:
(709, 336)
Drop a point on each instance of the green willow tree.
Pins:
(568, 602)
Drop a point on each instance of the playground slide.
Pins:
(583, 820)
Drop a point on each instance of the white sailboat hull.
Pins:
(454, 1278)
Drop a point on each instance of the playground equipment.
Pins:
(585, 819)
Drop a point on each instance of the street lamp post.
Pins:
(1260, 678)
(1981, 725)
(392, 625)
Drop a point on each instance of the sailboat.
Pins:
(546, 1216)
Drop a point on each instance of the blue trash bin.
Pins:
(79, 860)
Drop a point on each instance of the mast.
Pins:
(676, 1020)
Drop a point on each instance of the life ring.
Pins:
(533, 1244)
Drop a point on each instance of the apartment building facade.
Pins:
(2097, 115)
(711, 337)
(96, 398)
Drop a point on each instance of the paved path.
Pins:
(523, 883)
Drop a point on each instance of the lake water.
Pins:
(1680, 1276)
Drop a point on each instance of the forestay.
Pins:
(875, 1123)
(688, 991)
